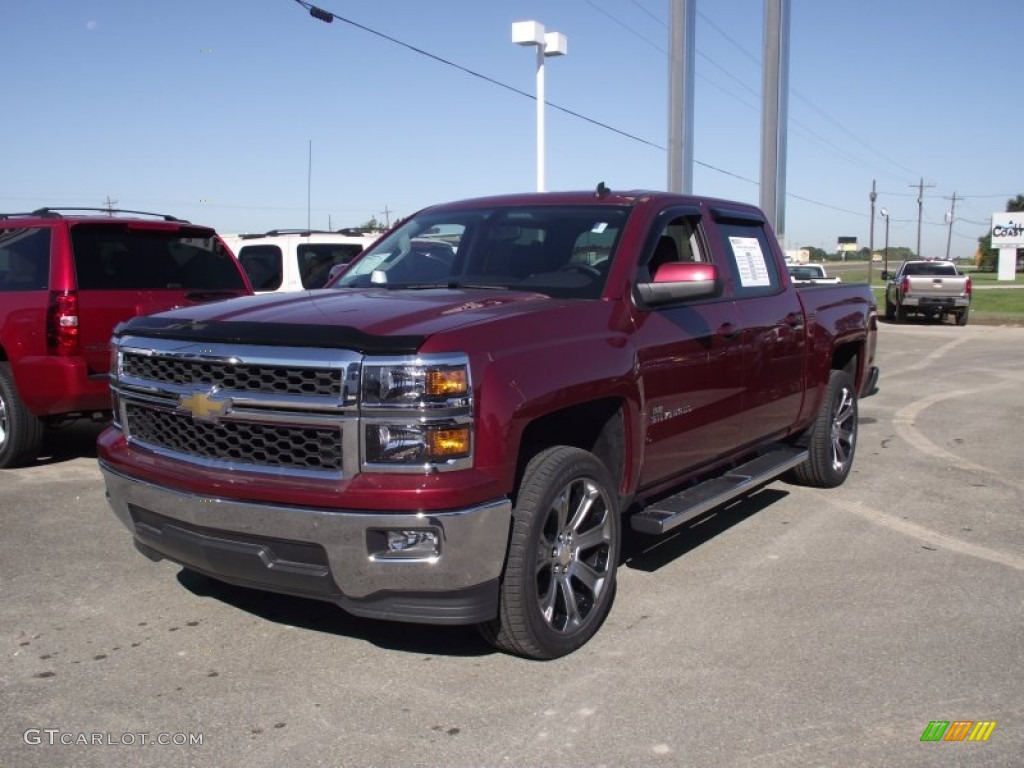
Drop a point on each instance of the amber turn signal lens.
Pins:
(446, 381)
(448, 443)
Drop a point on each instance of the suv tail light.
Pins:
(62, 323)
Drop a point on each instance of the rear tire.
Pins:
(833, 436)
(559, 579)
(21, 433)
(901, 314)
(962, 316)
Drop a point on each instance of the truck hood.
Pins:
(368, 320)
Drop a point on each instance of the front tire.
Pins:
(559, 580)
(21, 433)
(833, 436)
(890, 310)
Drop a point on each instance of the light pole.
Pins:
(871, 244)
(885, 215)
(548, 44)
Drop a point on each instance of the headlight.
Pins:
(115, 371)
(416, 444)
(417, 414)
(410, 384)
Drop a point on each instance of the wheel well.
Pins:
(596, 427)
(846, 359)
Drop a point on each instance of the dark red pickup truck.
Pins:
(456, 429)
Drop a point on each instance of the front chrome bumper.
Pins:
(326, 554)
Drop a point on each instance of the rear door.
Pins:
(774, 333)
(124, 269)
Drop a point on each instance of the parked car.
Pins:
(284, 260)
(67, 277)
(927, 287)
(457, 434)
(811, 274)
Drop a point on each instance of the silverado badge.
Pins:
(203, 407)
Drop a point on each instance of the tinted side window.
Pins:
(262, 264)
(678, 240)
(317, 259)
(118, 258)
(24, 259)
(750, 256)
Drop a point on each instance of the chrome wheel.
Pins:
(573, 555)
(3, 420)
(559, 579)
(844, 429)
(832, 439)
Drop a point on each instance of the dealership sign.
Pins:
(1008, 230)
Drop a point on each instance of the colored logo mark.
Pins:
(958, 730)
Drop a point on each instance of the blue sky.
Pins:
(206, 108)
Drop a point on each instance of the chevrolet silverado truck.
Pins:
(930, 288)
(458, 436)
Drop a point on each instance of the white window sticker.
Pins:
(750, 262)
(600, 227)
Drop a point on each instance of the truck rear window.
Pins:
(944, 270)
(119, 258)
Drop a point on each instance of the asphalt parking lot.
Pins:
(798, 627)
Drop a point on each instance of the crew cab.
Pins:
(67, 277)
(459, 436)
(927, 287)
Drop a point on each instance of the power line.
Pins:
(328, 17)
(474, 73)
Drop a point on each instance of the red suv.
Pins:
(66, 279)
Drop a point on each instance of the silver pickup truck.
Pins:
(810, 274)
(934, 289)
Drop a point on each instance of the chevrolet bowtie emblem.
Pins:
(203, 407)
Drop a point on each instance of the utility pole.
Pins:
(952, 211)
(682, 50)
(920, 207)
(387, 217)
(871, 236)
(775, 113)
(110, 205)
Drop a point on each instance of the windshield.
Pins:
(559, 251)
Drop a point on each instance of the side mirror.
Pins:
(679, 280)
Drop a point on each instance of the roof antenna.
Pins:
(602, 190)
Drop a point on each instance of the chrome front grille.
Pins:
(231, 374)
(245, 408)
(265, 445)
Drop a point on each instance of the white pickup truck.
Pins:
(810, 274)
(928, 287)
